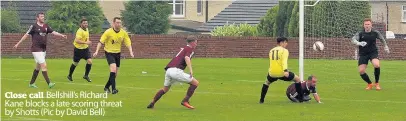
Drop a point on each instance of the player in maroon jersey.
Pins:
(39, 32)
(175, 73)
(308, 87)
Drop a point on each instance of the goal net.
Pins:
(333, 23)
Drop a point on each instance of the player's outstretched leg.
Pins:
(365, 76)
(193, 85)
(377, 73)
(158, 96)
(71, 70)
(34, 77)
(87, 71)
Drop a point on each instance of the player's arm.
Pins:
(316, 97)
(103, 39)
(383, 41)
(381, 38)
(355, 40)
(30, 31)
(59, 34)
(79, 37)
(188, 62)
(127, 43)
(49, 30)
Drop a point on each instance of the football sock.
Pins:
(264, 91)
(72, 68)
(299, 90)
(34, 76)
(158, 95)
(189, 93)
(111, 78)
(366, 78)
(88, 67)
(377, 72)
(45, 74)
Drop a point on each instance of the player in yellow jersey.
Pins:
(278, 69)
(112, 39)
(81, 50)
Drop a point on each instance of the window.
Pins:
(199, 7)
(178, 7)
(404, 13)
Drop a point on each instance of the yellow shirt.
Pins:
(112, 40)
(278, 61)
(82, 35)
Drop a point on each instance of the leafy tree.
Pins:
(65, 16)
(10, 20)
(266, 26)
(147, 17)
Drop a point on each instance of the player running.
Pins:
(366, 40)
(81, 50)
(278, 69)
(39, 33)
(307, 87)
(174, 73)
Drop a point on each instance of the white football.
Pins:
(318, 46)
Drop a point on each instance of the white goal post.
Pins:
(301, 37)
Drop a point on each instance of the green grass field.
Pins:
(229, 90)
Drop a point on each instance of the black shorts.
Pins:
(290, 78)
(363, 59)
(113, 58)
(81, 54)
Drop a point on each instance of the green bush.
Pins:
(147, 17)
(266, 26)
(235, 30)
(65, 16)
(10, 21)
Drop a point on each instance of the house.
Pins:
(393, 13)
(205, 15)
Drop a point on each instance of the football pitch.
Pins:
(229, 90)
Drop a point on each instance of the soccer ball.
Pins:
(318, 46)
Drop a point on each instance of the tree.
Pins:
(293, 27)
(289, 14)
(281, 17)
(266, 26)
(10, 20)
(65, 16)
(147, 17)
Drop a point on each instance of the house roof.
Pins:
(28, 10)
(240, 11)
(185, 25)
